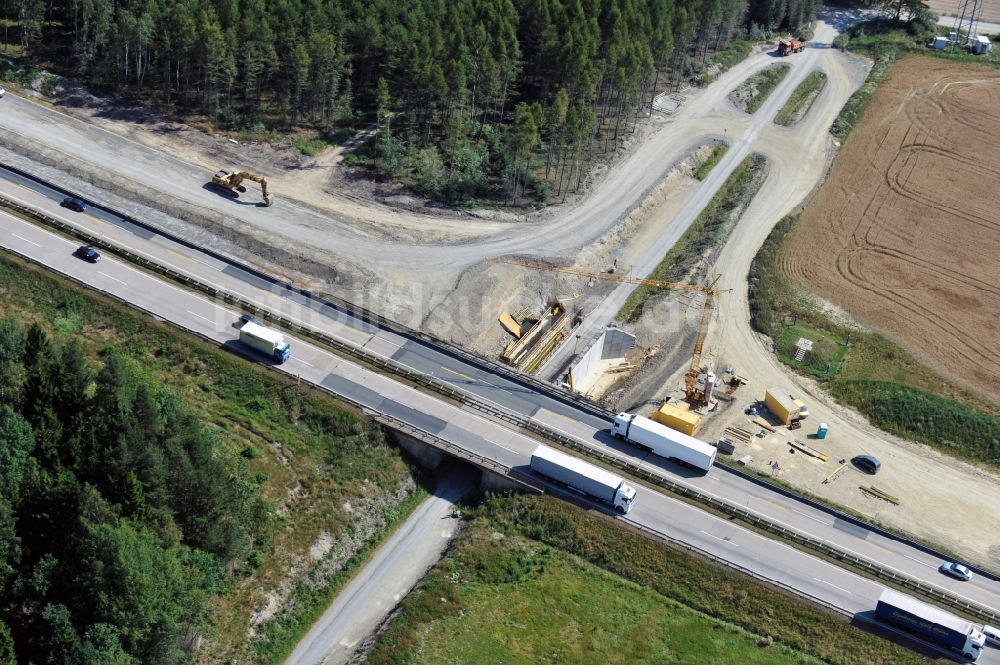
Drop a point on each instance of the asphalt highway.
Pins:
(715, 536)
(499, 390)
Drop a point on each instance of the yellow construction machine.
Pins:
(233, 182)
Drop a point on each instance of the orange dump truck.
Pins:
(786, 46)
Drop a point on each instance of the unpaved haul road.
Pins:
(26, 126)
(797, 156)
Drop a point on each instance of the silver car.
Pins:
(956, 570)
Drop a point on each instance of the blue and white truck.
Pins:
(664, 441)
(931, 624)
(269, 342)
(583, 477)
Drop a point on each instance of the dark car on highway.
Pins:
(88, 254)
(73, 203)
(867, 463)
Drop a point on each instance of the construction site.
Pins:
(541, 290)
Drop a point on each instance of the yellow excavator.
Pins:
(234, 183)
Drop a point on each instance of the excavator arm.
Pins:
(233, 182)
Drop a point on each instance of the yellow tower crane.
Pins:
(694, 394)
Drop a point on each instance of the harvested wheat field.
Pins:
(990, 9)
(905, 234)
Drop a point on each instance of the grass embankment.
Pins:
(535, 580)
(763, 84)
(871, 374)
(308, 453)
(713, 158)
(801, 100)
(706, 232)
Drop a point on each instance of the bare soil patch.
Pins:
(905, 233)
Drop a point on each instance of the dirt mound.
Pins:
(905, 233)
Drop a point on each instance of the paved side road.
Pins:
(396, 567)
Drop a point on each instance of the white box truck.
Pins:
(269, 342)
(583, 477)
(664, 441)
(931, 624)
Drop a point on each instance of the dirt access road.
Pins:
(791, 151)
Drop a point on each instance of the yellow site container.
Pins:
(676, 418)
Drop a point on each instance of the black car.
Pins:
(88, 254)
(73, 203)
(867, 463)
(247, 318)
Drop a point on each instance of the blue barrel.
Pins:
(821, 432)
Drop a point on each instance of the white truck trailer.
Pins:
(664, 441)
(931, 624)
(583, 477)
(269, 342)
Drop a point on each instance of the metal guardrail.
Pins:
(819, 546)
(383, 419)
(520, 420)
(743, 569)
(847, 517)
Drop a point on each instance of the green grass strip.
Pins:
(702, 234)
(765, 82)
(706, 166)
(802, 99)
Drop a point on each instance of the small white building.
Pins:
(982, 45)
(940, 43)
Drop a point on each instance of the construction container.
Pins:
(940, 43)
(821, 432)
(782, 406)
(686, 422)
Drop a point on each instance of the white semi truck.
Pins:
(931, 624)
(583, 477)
(664, 441)
(269, 342)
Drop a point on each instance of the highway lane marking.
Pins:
(757, 497)
(725, 540)
(112, 278)
(815, 519)
(187, 256)
(832, 584)
(203, 318)
(378, 336)
(302, 361)
(500, 445)
(922, 563)
(477, 381)
(30, 242)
